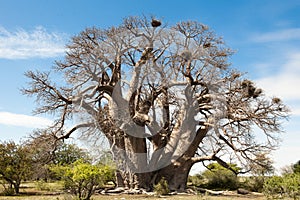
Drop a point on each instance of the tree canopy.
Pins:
(15, 164)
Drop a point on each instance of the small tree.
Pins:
(82, 178)
(70, 153)
(219, 177)
(291, 168)
(46, 150)
(15, 164)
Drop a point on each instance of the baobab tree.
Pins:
(164, 97)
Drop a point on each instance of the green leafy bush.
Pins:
(162, 187)
(296, 167)
(253, 183)
(219, 177)
(8, 192)
(196, 180)
(273, 187)
(82, 178)
(287, 186)
(292, 185)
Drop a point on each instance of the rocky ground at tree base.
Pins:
(238, 192)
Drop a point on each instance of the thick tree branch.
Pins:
(73, 129)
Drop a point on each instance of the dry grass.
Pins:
(135, 197)
(49, 191)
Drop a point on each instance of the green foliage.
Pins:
(8, 192)
(253, 183)
(42, 185)
(162, 187)
(69, 153)
(296, 167)
(196, 180)
(82, 178)
(292, 185)
(219, 177)
(65, 155)
(273, 187)
(15, 164)
(287, 186)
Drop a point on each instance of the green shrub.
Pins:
(162, 187)
(296, 167)
(196, 180)
(82, 179)
(287, 186)
(253, 183)
(273, 187)
(291, 185)
(8, 192)
(42, 185)
(219, 177)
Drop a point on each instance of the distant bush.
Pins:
(292, 185)
(42, 185)
(296, 167)
(273, 187)
(253, 183)
(8, 192)
(287, 186)
(196, 180)
(162, 187)
(219, 177)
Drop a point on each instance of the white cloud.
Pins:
(13, 119)
(278, 36)
(296, 111)
(286, 83)
(23, 44)
(285, 155)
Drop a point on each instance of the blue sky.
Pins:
(264, 33)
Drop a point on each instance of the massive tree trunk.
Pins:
(136, 150)
(130, 154)
(134, 174)
(176, 174)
